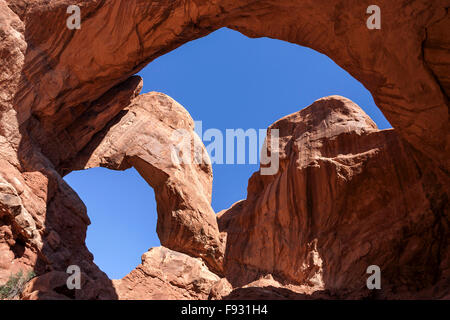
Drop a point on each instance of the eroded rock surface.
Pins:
(147, 135)
(167, 275)
(347, 194)
(65, 68)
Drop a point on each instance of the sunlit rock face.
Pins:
(167, 275)
(347, 194)
(144, 135)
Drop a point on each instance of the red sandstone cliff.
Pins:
(347, 194)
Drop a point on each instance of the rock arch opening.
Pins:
(122, 209)
(70, 102)
(228, 81)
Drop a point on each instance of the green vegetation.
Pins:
(15, 284)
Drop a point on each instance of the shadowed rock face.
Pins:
(347, 195)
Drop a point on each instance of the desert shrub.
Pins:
(15, 284)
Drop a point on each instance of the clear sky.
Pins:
(227, 81)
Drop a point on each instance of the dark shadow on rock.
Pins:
(45, 147)
(273, 293)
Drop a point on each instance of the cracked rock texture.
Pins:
(347, 194)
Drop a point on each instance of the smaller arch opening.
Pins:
(122, 210)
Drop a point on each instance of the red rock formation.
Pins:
(57, 75)
(347, 196)
(355, 195)
(166, 275)
(144, 137)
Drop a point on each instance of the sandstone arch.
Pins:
(124, 36)
(50, 89)
(143, 137)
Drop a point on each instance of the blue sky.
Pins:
(226, 80)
